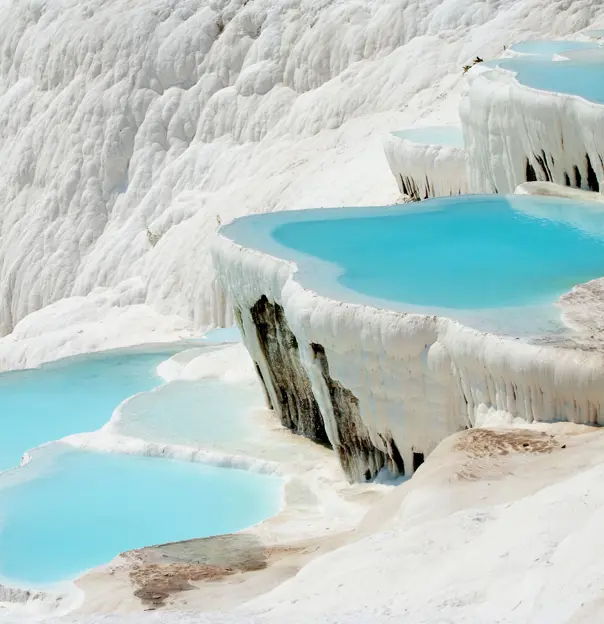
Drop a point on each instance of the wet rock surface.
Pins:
(358, 455)
(159, 572)
(296, 404)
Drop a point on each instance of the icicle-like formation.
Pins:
(424, 170)
(515, 134)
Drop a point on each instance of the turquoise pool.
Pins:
(548, 48)
(69, 510)
(202, 414)
(69, 396)
(450, 136)
(446, 255)
(222, 335)
(581, 74)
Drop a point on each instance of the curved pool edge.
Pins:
(315, 509)
(388, 386)
(530, 319)
(70, 596)
(64, 597)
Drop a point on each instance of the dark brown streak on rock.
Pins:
(592, 178)
(544, 167)
(356, 452)
(296, 406)
(418, 460)
(578, 178)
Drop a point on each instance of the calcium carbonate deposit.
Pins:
(128, 128)
(131, 131)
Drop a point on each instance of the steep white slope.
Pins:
(122, 115)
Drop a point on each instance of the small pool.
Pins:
(222, 335)
(69, 396)
(582, 74)
(447, 255)
(450, 136)
(201, 413)
(70, 510)
(548, 48)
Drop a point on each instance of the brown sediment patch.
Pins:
(155, 582)
(479, 443)
(158, 572)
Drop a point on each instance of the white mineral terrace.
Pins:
(417, 378)
(520, 128)
(427, 162)
(132, 130)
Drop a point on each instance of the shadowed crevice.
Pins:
(578, 178)
(543, 164)
(418, 460)
(592, 178)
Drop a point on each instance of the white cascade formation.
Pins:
(424, 170)
(127, 127)
(516, 134)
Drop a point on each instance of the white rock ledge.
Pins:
(390, 386)
(550, 189)
(426, 170)
(515, 134)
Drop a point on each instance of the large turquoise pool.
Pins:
(454, 254)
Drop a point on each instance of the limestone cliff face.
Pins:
(308, 400)
(289, 393)
(315, 380)
(424, 170)
(558, 137)
(289, 390)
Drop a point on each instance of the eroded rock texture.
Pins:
(572, 178)
(295, 402)
(290, 394)
(358, 455)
